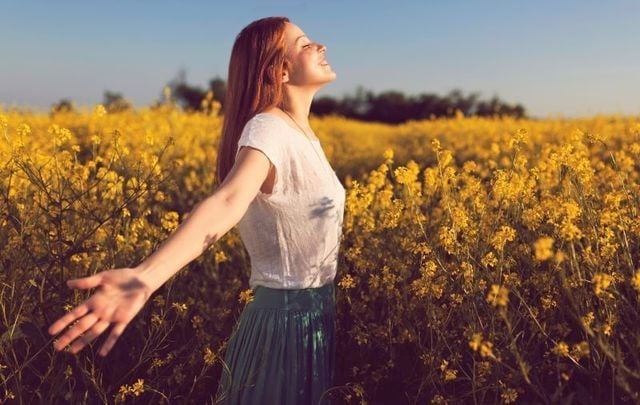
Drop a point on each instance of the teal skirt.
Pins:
(282, 349)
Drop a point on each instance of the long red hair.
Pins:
(254, 83)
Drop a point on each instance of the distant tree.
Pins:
(495, 107)
(219, 88)
(62, 105)
(458, 101)
(325, 105)
(356, 106)
(428, 105)
(188, 97)
(519, 111)
(390, 106)
(115, 102)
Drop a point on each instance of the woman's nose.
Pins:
(323, 48)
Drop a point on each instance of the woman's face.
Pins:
(309, 65)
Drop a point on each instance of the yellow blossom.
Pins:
(572, 209)
(447, 237)
(23, 130)
(68, 372)
(99, 111)
(445, 158)
(561, 349)
(122, 392)
(635, 280)
(407, 174)
(503, 235)
(588, 318)
(170, 220)
(477, 343)
(450, 374)
(180, 307)
(388, 154)
(570, 231)
(196, 321)
(600, 282)
(509, 395)
(559, 257)
(489, 260)
(138, 387)
(486, 349)
(246, 296)
(543, 248)
(580, 349)
(347, 282)
(438, 400)
(156, 319)
(221, 256)
(435, 143)
(209, 356)
(498, 295)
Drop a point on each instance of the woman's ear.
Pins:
(285, 71)
(271, 75)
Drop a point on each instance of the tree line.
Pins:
(390, 106)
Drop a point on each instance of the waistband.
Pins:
(304, 299)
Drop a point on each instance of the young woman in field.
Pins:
(275, 182)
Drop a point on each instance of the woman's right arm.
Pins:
(122, 293)
(209, 220)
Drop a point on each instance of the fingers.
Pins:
(88, 337)
(85, 282)
(69, 317)
(116, 332)
(75, 331)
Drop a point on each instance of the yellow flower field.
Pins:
(483, 260)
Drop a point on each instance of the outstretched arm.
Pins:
(121, 293)
(209, 220)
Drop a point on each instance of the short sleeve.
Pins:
(265, 135)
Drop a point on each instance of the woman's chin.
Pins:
(330, 72)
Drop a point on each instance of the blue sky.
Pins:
(555, 57)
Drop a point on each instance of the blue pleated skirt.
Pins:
(282, 349)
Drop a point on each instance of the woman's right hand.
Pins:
(120, 296)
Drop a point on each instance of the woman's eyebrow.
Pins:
(303, 35)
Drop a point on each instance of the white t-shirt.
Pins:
(293, 234)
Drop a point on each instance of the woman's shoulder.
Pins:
(268, 118)
(265, 121)
(264, 129)
(267, 125)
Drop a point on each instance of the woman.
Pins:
(278, 186)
